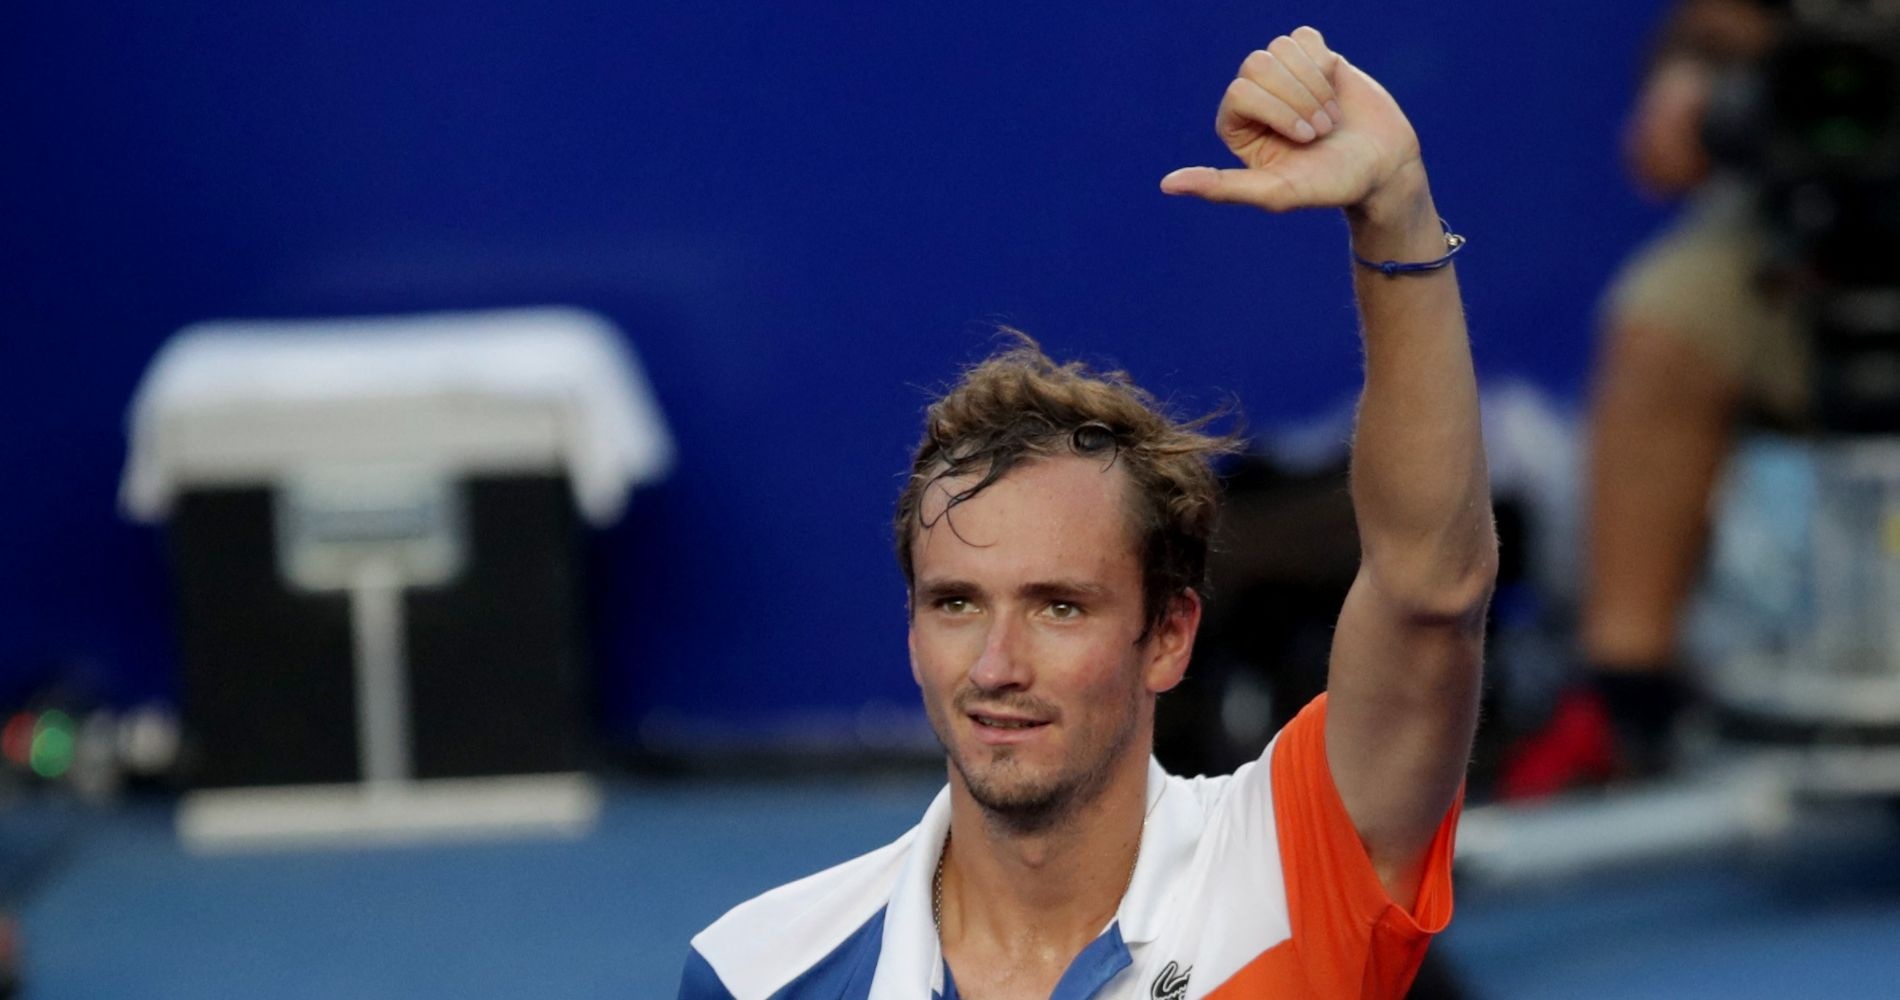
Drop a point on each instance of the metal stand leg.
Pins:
(382, 680)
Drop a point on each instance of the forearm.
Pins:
(1419, 485)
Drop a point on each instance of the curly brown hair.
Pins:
(1019, 404)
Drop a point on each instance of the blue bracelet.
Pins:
(1453, 244)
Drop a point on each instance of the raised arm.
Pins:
(1315, 131)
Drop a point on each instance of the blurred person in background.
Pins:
(1053, 534)
(1694, 345)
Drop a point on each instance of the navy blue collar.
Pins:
(1101, 961)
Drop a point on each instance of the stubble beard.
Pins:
(1022, 804)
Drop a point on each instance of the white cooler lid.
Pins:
(241, 402)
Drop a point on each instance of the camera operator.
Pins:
(1693, 345)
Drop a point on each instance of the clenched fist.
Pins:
(1313, 131)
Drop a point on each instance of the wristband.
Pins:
(1390, 268)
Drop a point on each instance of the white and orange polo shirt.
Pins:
(1254, 885)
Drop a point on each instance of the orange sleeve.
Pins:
(1349, 939)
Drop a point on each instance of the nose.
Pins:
(1002, 664)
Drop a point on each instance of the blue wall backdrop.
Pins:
(800, 213)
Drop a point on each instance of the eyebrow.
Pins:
(931, 591)
(1047, 590)
(1054, 590)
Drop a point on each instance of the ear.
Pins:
(910, 643)
(1172, 643)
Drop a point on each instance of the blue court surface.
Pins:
(113, 907)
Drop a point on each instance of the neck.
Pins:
(1053, 888)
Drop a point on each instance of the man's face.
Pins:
(1026, 610)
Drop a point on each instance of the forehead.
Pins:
(1048, 518)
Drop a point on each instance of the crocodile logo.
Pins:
(1172, 983)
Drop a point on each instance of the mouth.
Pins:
(997, 729)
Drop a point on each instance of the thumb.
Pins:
(1260, 188)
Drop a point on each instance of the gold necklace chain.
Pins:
(936, 887)
(936, 880)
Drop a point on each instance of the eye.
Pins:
(1064, 611)
(954, 605)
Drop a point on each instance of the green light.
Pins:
(1839, 80)
(52, 753)
(1841, 138)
